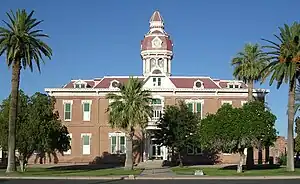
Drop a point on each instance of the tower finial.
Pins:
(156, 20)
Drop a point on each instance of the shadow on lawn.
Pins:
(255, 167)
(106, 161)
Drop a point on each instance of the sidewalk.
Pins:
(157, 177)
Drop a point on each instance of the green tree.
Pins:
(22, 43)
(234, 130)
(129, 109)
(297, 139)
(178, 129)
(37, 128)
(248, 65)
(284, 68)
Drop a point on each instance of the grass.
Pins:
(232, 172)
(69, 172)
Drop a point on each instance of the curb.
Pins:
(153, 178)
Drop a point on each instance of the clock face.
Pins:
(160, 62)
(156, 43)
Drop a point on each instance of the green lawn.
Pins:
(77, 172)
(231, 172)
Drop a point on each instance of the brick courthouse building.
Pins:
(82, 104)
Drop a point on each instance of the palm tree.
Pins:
(248, 64)
(284, 68)
(128, 110)
(22, 43)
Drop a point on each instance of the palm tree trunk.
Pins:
(250, 154)
(250, 91)
(290, 131)
(15, 80)
(129, 148)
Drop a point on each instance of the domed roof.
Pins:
(156, 38)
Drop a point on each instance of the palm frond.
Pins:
(21, 41)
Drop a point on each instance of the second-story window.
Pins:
(156, 81)
(157, 108)
(86, 106)
(67, 110)
(195, 107)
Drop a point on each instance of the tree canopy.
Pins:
(129, 108)
(235, 129)
(37, 129)
(177, 128)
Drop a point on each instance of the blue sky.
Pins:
(95, 38)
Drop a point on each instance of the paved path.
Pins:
(3, 181)
(166, 172)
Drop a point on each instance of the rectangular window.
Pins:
(67, 111)
(86, 144)
(82, 86)
(156, 81)
(117, 144)
(69, 151)
(226, 102)
(190, 150)
(198, 151)
(77, 86)
(190, 106)
(86, 111)
(236, 86)
(230, 86)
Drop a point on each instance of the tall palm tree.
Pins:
(128, 110)
(284, 68)
(22, 43)
(248, 65)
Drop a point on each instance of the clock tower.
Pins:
(156, 48)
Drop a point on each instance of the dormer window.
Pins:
(198, 84)
(114, 84)
(80, 84)
(234, 85)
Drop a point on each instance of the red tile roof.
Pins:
(188, 82)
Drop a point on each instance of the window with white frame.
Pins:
(67, 110)
(226, 102)
(117, 143)
(194, 150)
(233, 85)
(156, 81)
(86, 143)
(195, 106)
(157, 108)
(69, 151)
(86, 108)
(80, 84)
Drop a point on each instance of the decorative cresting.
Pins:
(156, 48)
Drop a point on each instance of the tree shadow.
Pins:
(205, 158)
(254, 167)
(106, 161)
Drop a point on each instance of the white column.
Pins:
(0, 152)
(165, 65)
(165, 152)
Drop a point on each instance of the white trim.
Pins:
(68, 101)
(64, 109)
(88, 147)
(69, 152)
(90, 109)
(243, 102)
(195, 87)
(79, 82)
(226, 101)
(201, 101)
(226, 154)
(111, 82)
(116, 134)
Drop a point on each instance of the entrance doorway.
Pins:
(156, 150)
